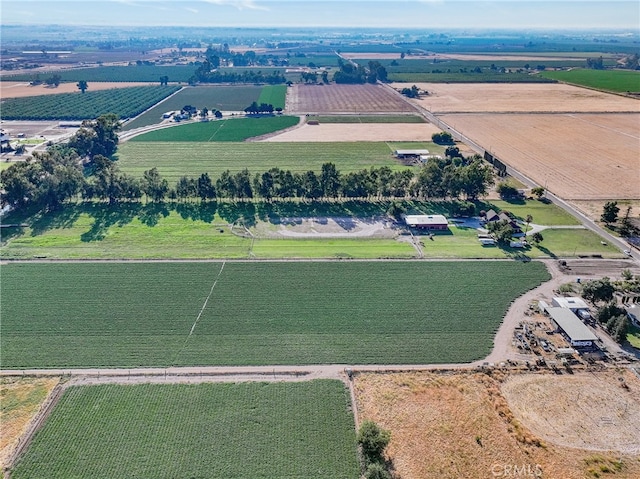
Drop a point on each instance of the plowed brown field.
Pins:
(345, 99)
(577, 156)
(525, 98)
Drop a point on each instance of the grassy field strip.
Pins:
(242, 431)
(370, 312)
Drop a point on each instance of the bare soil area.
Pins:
(332, 132)
(577, 156)
(594, 411)
(22, 89)
(323, 227)
(593, 209)
(354, 99)
(459, 425)
(515, 97)
(21, 400)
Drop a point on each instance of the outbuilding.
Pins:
(574, 304)
(429, 222)
(578, 335)
(410, 154)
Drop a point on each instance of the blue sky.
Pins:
(445, 14)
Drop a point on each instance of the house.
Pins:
(429, 222)
(577, 334)
(491, 216)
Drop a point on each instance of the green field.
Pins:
(237, 129)
(218, 431)
(224, 98)
(367, 118)
(124, 102)
(453, 77)
(633, 336)
(176, 159)
(620, 81)
(273, 95)
(542, 213)
(158, 314)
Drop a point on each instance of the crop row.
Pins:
(248, 430)
(55, 315)
(124, 102)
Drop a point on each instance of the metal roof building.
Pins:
(572, 303)
(435, 222)
(575, 330)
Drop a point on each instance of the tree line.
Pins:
(49, 179)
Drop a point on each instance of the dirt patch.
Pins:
(322, 227)
(597, 411)
(577, 156)
(23, 89)
(355, 99)
(593, 209)
(514, 97)
(331, 132)
(21, 400)
(459, 425)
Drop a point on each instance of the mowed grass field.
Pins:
(245, 313)
(620, 81)
(218, 431)
(176, 159)
(238, 129)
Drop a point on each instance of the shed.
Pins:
(430, 222)
(578, 335)
(410, 154)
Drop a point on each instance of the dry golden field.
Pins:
(331, 132)
(22, 89)
(459, 425)
(21, 400)
(577, 156)
(519, 98)
(334, 98)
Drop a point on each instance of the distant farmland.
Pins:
(238, 129)
(141, 314)
(620, 81)
(138, 73)
(217, 431)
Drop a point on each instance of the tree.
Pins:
(153, 185)
(598, 290)
(329, 180)
(501, 230)
(506, 191)
(82, 86)
(205, 188)
(537, 237)
(373, 440)
(204, 113)
(218, 114)
(443, 138)
(164, 80)
(376, 471)
(610, 212)
(538, 192)
(97, 137)
(528, 220)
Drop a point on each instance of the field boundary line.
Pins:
(193, 327)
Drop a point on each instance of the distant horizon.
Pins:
(539, 15)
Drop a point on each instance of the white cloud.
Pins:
(192, 10)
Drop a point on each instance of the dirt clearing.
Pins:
(21, 399)
(514, 97)
(446, 425)
(331, 132)
(577, 156)
(354, 99)
(599, 411)
(22, 89)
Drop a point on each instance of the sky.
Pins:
(445, 14)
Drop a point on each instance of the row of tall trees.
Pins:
(49, 179)
(350, 72)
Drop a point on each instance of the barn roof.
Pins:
(413, 220)
(571, 325)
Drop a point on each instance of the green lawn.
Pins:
(620, 81)
(232, 130)
(218, 431)
(332, 248)
(571, 243)
(546, 214)
(176, 159)
(158, 314)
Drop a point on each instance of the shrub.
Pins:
(373, 440)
